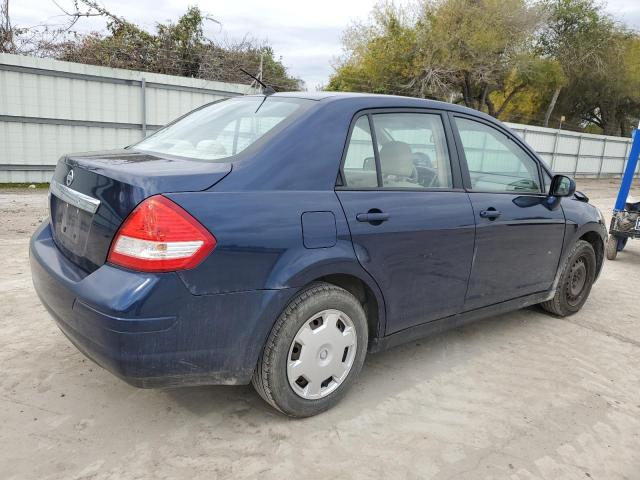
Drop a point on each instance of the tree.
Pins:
(597, 55)
(6, 32)
(179, 48)
(379, 57)
(471, 47)
(514, 59)
(477, 52)
(608, 95)
(174, 48)
(527, 89)
(572, 35)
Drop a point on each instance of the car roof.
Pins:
(321, 133)
(381, 101)
(320, 95)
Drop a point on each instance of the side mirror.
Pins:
(562, 186)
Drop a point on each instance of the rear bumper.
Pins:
(147, 328)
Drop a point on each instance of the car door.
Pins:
(411, 222)
(519, 235)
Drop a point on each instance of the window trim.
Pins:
(454, 160)
(511, 136)
(376, 152)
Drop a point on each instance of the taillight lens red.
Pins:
(160, 236)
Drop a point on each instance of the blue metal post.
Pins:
(627, 178)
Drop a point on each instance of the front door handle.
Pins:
(374, 216)
(490, 213)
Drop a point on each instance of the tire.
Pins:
(296, 350)
(576, 279)
(612, 247)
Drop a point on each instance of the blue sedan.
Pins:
(276, 239)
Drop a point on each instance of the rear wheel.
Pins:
(314, 352)
(577, 277)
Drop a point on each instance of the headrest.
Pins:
(396, 158)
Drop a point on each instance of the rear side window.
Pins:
(224, 129)
(360, 161)
(496, 163)
(411, 148)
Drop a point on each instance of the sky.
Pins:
(306, 34)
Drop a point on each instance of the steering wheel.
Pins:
(430, 177)
(425, 174)
(523, 185)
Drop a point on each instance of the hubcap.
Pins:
(577, 280)
(321, 354)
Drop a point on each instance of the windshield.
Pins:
(223, 129)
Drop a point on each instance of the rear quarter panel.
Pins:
(260, 243)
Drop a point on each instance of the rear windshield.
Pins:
(223, 129)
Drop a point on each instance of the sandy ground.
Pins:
(520, 396)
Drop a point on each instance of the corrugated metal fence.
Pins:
(577, 154)
(48, 108)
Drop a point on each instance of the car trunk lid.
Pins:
(92, 193)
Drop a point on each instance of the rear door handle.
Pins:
(373, 217)
(490, 213)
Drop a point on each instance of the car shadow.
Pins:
(384, 374)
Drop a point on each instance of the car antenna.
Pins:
(266, 89)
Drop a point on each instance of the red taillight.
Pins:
(159, 236)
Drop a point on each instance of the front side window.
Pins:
(412, 151)
(223, 129)
(496, 163)
(546, 180)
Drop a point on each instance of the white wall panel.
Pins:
(617, 149)
(564, 163)
(598, 155)
(46, 90)
(613, 165)
(50, 90)
(568, 145)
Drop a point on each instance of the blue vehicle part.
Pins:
(421, 256)
(319, 229)
(623, 194)
(269, 208)
(525, 237)
(148, 329)
(583, 222)
(119, 180)
(627, 178)
(260, 241)
(622, 242)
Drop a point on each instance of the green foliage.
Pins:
(455, 49)
(599, 57)
(518, 60)
(40, 186)
(530, 87)
(380, 56)
(176, 48)
(470, 48)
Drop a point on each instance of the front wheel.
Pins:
(612, 247)
(314, 352)
(577, 277)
